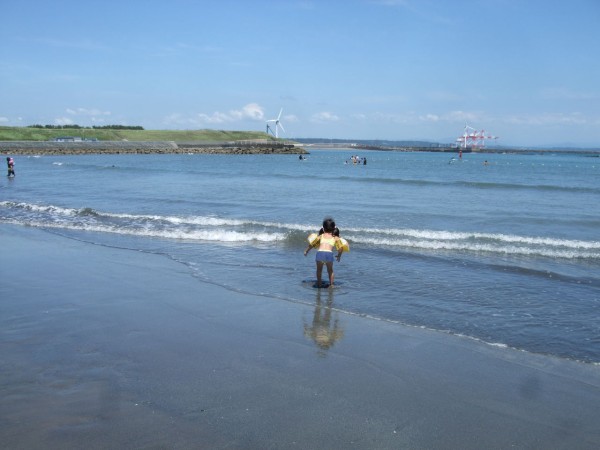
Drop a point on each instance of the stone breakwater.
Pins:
(130, 147)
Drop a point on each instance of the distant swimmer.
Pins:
(10, 163)
(486, 163)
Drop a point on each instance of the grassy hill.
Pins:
(42, 134)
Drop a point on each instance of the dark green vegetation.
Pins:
(45, 134)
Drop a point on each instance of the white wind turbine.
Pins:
(276, 126)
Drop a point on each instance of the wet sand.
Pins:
(111, 348)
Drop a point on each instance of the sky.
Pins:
(526, 71)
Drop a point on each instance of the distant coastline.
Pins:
(249, 147)
(448, 149)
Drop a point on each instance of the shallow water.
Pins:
(507, 253)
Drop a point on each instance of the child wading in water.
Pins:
(326, 241)
(11, 166)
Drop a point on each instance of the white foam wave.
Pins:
(176, 220)
(41, 209)
(220, 229)
(438, 235)
(512, 250)
(220, 236)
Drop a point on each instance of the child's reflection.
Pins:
(325, 330)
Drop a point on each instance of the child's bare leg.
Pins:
(330, 273)
(319, 272)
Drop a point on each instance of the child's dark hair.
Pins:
(336, 232)
(328, 225)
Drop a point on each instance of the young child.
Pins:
(11, 166)
(326, 241)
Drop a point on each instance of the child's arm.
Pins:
(339, 247)
(315, 242)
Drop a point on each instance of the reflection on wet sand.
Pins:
(325, 329)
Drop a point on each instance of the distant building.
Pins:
(67, 139)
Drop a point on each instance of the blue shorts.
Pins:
(324, 257)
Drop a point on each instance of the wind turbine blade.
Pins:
(281, 125)
(279, 116)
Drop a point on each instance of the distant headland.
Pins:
(135, 140)
(115, 139)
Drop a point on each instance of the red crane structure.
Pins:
(473, 138)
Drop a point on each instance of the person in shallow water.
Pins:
(10, 163)
(326, 242)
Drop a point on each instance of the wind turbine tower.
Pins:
(276, 126)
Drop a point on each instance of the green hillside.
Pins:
(42, 134)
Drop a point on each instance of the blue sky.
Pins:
(527, 71)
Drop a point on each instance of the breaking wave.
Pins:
(231, 230)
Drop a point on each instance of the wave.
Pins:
(231, 230)
(201, 228)
(491, 243)
(443, 183)
(473, 184)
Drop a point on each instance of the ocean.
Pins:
(507, 253)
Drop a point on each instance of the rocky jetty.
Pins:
(130, 147)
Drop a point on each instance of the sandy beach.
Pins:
(111, 348)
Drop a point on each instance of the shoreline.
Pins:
(106, 347)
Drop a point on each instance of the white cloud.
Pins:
(3, 119)
(430, 118)
(548, 119)
(394, 118)
(324, 117)
(214, 118)
(463, 116)
(87, 115)
(251, 111)
(87, 112)
(63, 121)
(175, 119)
(416, 118)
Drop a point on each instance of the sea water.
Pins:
(506, 252)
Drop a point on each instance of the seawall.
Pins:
(144, 147)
